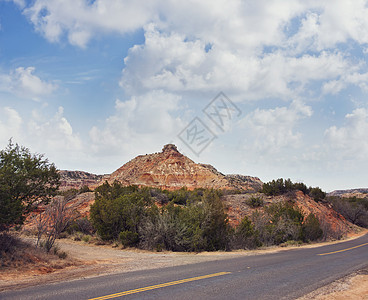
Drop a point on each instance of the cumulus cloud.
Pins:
(79, 20)
(24, 83)
(271, 130)
(344, 80)
(245, 24)
(170, 61)
(141, 123)
(57, 133)
(10, 124)
(349, 142)
(53, 136)
(257, 49)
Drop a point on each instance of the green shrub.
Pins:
(311, 228)
(200, 225)
(129, 238)
(245, 236)
(281, 186)
(278, 223)
(86, 238)
(118, 209)
(255, 202)
(317, 194)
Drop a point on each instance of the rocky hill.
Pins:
(359, 193)
(172, 170)
(77, 179)
(168, 169)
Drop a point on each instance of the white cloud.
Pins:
(256, 49)
(139, 124)
(344, 80)
(243, 24)
(41, 134)
(10, 124)
(80, 19)
(171, 62)
(269, 131)
(251, 50)
(23, 83)
(55, 133)
(349, 142)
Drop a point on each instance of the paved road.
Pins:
(284, 275)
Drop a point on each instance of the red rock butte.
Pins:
(172, 170)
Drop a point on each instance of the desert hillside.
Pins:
(171, 170)
(168, 169)
(358, 193)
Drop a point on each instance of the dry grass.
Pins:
(20, 257)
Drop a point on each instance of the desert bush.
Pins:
(200, 225)
(129, 238)
(53, 220)
(255, 202)
(281, 187)
(353, 209)
(278, 223)
(316, 193)
(8, 243)
(312, 230)
(86, 238)
(118, 209)
(165, 230)
(245, 236)
(82, 225)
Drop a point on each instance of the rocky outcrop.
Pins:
(77, 179)
(237, 179)
(358, 193)
(172, 170)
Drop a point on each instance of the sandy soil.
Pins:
(352, 287)
(88, 260)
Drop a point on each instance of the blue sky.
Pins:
(92, 84)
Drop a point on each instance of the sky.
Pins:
(273, 89)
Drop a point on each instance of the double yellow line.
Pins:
(158, 286)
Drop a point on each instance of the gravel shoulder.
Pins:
(89, 260)
(351, 287)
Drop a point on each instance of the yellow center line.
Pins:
(343, 250)
(157, 286)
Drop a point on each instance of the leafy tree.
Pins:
(26, 180)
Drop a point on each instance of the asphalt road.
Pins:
(284, 275)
